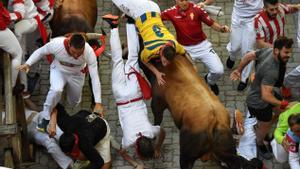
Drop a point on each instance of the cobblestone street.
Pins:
(170, 160)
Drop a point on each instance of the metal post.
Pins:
(10, 116)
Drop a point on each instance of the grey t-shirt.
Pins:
(266, 74)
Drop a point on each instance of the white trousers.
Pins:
(205, 53)
(133, 116)
(136, 8)
(282, 156)
(10, 44)
(22, 28)
(247, 144)
(242, 40)
(58, 80)
(124, 87)
(51, 144)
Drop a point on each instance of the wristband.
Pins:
(284, 104)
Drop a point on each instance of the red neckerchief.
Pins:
(66, 44)
(75, 151)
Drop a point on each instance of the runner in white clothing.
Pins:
(132, 110)
(9, 42)
(51, 144)
(71, 55)
(27, 19)
(242, 37)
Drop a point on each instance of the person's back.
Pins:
(88, 133)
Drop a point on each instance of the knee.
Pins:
(218, 70)
(56, 90)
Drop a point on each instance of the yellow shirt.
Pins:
(155, 35)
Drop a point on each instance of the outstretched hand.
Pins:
(99, 109)
(25, 67)
(235, 75)
(160, 79)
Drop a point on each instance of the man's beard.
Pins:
(281, 61)
(271, 16)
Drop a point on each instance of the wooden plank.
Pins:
(21, 120)
(9, 110)
(8, 129)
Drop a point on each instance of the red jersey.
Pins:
(4, 17)
(269, 29)
(188, 23)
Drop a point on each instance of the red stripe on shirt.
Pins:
(17, 1)
(19, 16)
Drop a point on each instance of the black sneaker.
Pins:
(229, 63)
(42, 127)
(242, 85)
(130, 20)
(112, 20)
(263, 152)
(214, 87)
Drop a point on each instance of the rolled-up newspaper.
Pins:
(213, 10)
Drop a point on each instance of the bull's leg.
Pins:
(224, 148)
(158, 106)
(192, 147)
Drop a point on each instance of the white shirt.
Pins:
(134, 120)
(26, 8)
(247, 8)
(57, 49)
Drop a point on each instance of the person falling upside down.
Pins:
(132, 110)
(158, 41)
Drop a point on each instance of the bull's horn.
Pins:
(93, 35)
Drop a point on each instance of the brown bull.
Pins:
(201, 118)
(74, 16)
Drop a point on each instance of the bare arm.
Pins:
(206, 2)
(236, 74)
(294, 6)
(52, 123)
(160, 140)
(129, 159)
(267, 95)
(158, 74)
(220, 28)
(188, 56)
(262, 44)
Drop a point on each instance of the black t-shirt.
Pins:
(89, 133)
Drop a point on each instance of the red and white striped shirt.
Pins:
(270, 29)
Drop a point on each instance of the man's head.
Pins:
(68, 143)
(283, 48)
(183, 4)
(167, 53)
(271, 7)
(76, 45)
(294, 123)
(145, 147)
